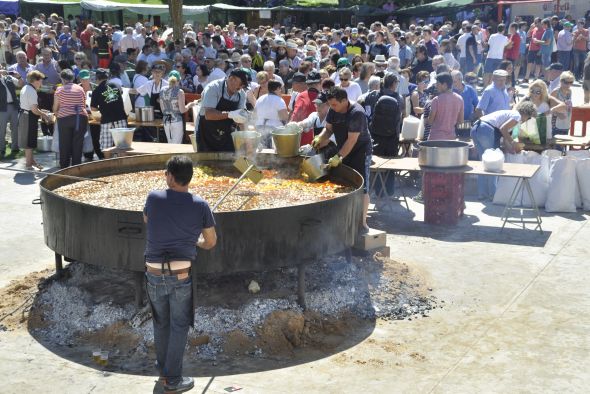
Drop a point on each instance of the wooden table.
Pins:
(567, 141)
(147, 148)
(158, 124)
(522, 172)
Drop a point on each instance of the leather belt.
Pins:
(158, 271)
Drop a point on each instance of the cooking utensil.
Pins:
(314, 167)
(246, 142)
(123, 137)
(144, 114)
(287, 141)
(78, 178)
(248, 170)
(443, 153)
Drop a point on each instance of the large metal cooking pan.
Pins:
(443, 153)
(247, 240)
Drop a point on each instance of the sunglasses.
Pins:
(77, 58)
(536, 91)
(344, 79)
(426, 82)
(178, 66)
(567, 82)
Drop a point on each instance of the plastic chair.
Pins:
(580, 114)
(286, 99)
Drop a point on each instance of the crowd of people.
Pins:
(348, 90)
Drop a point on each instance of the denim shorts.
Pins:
(491, 65)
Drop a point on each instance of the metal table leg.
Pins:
(511, 201)
(534, 204)
(522, 184)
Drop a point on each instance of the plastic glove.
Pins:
(237, 116)
(315, 143)
(335, 161)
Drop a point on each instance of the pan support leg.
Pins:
(301, 285)
(59, 265)
(138, 278)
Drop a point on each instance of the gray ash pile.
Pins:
(93, 303)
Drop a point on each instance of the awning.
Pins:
(437, 8)
(53, 2)
(152, 9)
(9, 7)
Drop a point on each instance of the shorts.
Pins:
(534, 57)
(546, 59)
(362, 165)
(491, 65)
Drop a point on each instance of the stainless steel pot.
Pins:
(45, 143)
(246, 143)
(144, 114)
(314, 167)
(443, 153)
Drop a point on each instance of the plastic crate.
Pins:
(443, 197)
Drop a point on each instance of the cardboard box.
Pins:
(372, 240)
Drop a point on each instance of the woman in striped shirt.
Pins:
(72, 120)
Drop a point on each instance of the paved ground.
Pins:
(516, 318)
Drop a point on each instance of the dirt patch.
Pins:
(16, 301)
(237, 342)
(117, 335)
(280, 333)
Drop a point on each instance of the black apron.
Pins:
(30, 123)
(215, 135)
(356, 158)
(329, 150)
(154, 102)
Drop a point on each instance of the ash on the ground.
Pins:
(95, 304)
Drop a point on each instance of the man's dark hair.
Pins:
(181, 169)
(273, 85)
(501, 28)
(337, 93)
(389, 80)
(445, 78)
(216, 39)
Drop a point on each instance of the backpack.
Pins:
(385, 117)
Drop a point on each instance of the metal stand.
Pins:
(381, 176)
(59, 266)
(521, 185)
(301, 285)
(139, 285)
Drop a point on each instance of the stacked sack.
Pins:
(562, 183)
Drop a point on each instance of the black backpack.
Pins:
(385, 117)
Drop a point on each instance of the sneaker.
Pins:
(185, 384)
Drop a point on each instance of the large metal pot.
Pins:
(255, 240)
(246, 142)
(286, 141)
(144, 114)
(443, 153)
(44, 143)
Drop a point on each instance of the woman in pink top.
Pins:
(446, 110)
(72, 120)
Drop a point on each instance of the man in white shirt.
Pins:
(127, 41)
(217, 72)
(156, 55)
(461, 41)
(497, 42)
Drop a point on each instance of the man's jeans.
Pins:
(172, 313)
(564, 58)
(484, 137)
(579, 57)
(9, 116)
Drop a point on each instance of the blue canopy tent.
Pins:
(9, 7)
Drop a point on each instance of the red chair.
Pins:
(286, 99)
(580, 114)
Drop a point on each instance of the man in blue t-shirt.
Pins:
(175, 220)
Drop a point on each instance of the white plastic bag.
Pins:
(493, 160)
(561, 196)
(583, 176)
(87, 146)
(539, 182)
(506, 185)
(126, 100)
(578, 154)
(421, 129)
(55, 145)
(410, 128)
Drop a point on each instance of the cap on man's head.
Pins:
(235, 57)
(555, 67)
(313, 77)
(292, 44)
(568, 24)
(354, 30)
(298, 77)
(101, 73)
(242, 75)
(121, 58)
(379, 59)
(500, 73)
(83, 74)
(321, 99)
(342, 62)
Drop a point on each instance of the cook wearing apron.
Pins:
(348, 123)
(220, 114)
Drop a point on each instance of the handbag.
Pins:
(87, 146)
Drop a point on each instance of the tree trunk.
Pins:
(175, 7)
